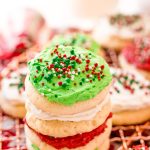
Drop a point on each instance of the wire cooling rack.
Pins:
(122, 137)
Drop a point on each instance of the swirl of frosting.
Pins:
(77, 39)
(138, 53)
(129, 91)
(68, 74)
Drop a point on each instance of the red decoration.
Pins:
(60, 83)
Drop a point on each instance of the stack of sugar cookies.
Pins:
(68, 106)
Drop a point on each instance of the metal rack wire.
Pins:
(122, 137)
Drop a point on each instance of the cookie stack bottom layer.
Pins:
(98, 141)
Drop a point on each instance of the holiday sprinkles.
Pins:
(130, 83)
(69, 69)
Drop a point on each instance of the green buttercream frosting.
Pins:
(77, 39)
(68, 74)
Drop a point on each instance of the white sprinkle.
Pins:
(87, 80)
(78, 69)
(72, 78)
(73, 72)
(90, 67)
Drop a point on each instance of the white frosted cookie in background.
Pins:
(12, 96)
(118, 30)
(130, 97)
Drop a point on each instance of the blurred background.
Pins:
(62, 13)
(44, 17)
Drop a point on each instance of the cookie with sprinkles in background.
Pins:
(12, 96)
(136, 56)
(118, 30)
(130, 97)
(68, 104)
(77, 39)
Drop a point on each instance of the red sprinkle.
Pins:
(87, 69)
(87, 61)
(87, 75)
(69, 67)
(41, 60)
(52, 66)
(58, 76)
(72, 58)
(60, 83)
(64, 55)
(56, 69)
(102, 67)
(96, 64)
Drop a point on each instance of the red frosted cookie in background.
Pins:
(136, 57)
(21, 31)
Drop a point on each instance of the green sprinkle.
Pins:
(72, 52)
(68, 80)
(49, 77)
(126, 77)
(64, 84)
(131, 82)
(20, 85)
(38, 68)
(83, 79)
(80, 83)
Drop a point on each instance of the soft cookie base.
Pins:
(15, 111)
(131, 117)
